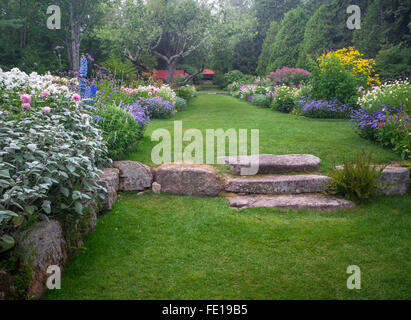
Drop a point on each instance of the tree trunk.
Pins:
(171, 67)
(75, 37)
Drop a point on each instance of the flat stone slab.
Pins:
(309, 183)
(188, 179)
(134, 176)
(273, 164)
(110, 180)
(394, 180)
(313, 202)
(43, 245)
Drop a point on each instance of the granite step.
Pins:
(272, 164)
(308, 201)
(284, 184)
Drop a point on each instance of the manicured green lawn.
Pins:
(280, 133)
(180, 247)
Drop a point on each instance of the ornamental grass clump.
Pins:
(356, 180)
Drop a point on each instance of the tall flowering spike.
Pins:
(83, 67)
(94, 90)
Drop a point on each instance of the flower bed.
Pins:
(51, 151)
(289, 76)
(397, 93)
(389, 126)
(323, 109)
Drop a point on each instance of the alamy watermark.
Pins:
(354, 20)
(354, 281)
(54, 21)
(213, 139)
(54, 281)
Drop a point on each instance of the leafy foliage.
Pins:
(49, 160)
(122, 69)
(181, 104)
(357, 180)
(284, 100)
(332, 80)
(120, 130)
(186, 92)
(394, 61)
(261, 100)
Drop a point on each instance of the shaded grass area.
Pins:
(279, 133)
(181, 247)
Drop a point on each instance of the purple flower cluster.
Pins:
(367, 123)
(289, 76)
(250, 97)
(138, 112)
(156, 107)
(324, 109)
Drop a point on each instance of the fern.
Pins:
(357, 180)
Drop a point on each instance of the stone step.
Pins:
(394, 180)
(309, 201)
(291, 184)
(272, 164)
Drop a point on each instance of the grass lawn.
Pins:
(180, 247)
(331, 140)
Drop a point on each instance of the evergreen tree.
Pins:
(384, 25)
(264, 58)
(327, 29)
(287, 41)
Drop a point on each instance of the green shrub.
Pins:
(121, 131)
(393, 62)
(237, 76)
(186, 92)
(50, 155)
(261, 100)
(122, 68)
(358, 180)
(332, 80)
(220, 81)
(181, 104)
(284, 100)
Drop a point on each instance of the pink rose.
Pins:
(46, 110)
(45, 94)
(150, 93)
(25, 98)
(26, 105)
(76, 97)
